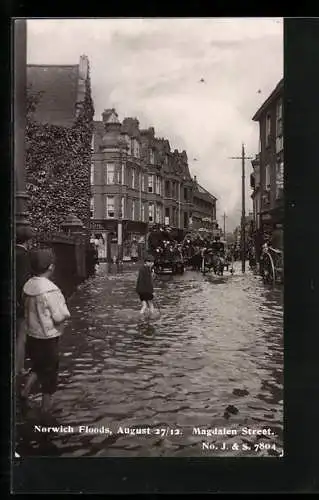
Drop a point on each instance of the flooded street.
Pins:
(212, 359)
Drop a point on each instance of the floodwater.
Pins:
(203, 378)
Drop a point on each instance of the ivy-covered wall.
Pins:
(58, 161)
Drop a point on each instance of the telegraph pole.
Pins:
(243, 157)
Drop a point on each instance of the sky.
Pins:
(151, 69)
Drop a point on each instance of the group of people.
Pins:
(41, 315)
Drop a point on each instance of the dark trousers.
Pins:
(44, 356)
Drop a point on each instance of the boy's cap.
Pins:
(23, 234)
(41, 259)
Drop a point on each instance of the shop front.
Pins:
(104, 235)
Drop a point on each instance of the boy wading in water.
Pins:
(144, 286)
(45, 312)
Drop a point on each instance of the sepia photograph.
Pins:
(149, 224)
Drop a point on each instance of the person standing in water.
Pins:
(145, 287)
(45, 313)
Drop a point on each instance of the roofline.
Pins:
(206, 192)
(277, 90)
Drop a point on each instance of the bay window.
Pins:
(151, 212)
(133, 216)
(110, 210)
(158, 185)
(110, 173)
(158, 213)
(151, 184)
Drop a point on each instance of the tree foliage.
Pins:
(58, 162)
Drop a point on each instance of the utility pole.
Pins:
(243, 157)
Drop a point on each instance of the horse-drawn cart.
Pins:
(168, 258)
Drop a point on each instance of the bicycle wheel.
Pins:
(268, 270)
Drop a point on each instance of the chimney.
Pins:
(195, 178)
(83, 67)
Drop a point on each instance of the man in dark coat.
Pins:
(144, 285)
(23, 273)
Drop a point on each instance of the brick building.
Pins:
(136, 179)
(268, 169)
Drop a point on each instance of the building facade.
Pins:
(204, 209)
(137, 181)
(267, 179)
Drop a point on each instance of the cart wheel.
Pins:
(268, 270)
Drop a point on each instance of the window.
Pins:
(92, 174)
(133, 178)
(133, 209)
(158, 213)
(150, 183)
(166, 218)
(92, 207)
(137, 149)
(267, 178)
(110, 211)
(143, 211)
(122, 175)
(121, 214)
(158, 185)
(143, 181)
(185, 194)
(151, 212)
(110, 173)
(279, 118)
(129, 145)
(279, 109)
(167, 189)
(279, 144)
(152, 157)
(268, 129)
(279, 179)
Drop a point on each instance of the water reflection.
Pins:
(212, 335)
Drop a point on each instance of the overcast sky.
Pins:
(151, 69)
